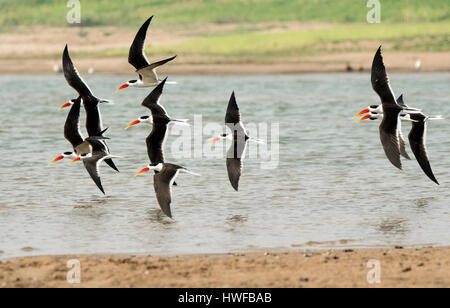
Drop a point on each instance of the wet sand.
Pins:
(424, 267)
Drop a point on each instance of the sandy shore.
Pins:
(424, 267)
(37, 50)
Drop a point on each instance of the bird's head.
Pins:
(222, 137)
(127, 84)
(371, 116)
(68, 155)
(71, 103)
(82, 157)
(372, 108)
(143, 119)
(151, 167)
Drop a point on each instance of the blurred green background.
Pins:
(250, 30)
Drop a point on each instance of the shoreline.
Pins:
(400, 267)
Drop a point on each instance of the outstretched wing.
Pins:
(380, 81)
(163, 182)
(73, 77)
(136, 56)
(92, 166)
(417, 138)
(148, 72)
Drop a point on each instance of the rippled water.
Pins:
(333, 182)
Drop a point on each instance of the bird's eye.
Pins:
(132, 81)
(374, 107)
(68, 153)
(145, 117)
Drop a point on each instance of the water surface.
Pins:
(332, 183)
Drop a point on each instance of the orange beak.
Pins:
(215, 140)
(366, 117)
(133, 123)
(362, 112)
(122, 87)
(146, 169)
(65, 105)
(75, 160)
(57, 159)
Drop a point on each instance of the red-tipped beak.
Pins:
(57, 159)
(133, 123)
(122, 87)
(65, 105)
(366, 117)
(362, 112)
(146, 169)
(75, 160)
(215, 140)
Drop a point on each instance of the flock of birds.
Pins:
(93, 150)
(392, 112)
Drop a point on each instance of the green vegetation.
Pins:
(131, 13)
(255, 46)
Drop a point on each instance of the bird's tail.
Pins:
(182, 122)
(436, 118)
(106, 101)
(189, 172)
(258, 141)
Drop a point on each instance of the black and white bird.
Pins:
(239, 138)
(378, 109)
(160, 120)
(163, 180)
(137, 58)
(390, 128)
(165, 174)
(94, 124)
(92, 150)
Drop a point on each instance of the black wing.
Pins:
(151, 67)
(235, 158)
(72, 126)
(234, 168)
(380, 81)
(73, 77)
(163, 187)
(152, 103)
(92, 167)
(233, 115)
(418, 146)
(155, 142)
(136, 56)
(389, 136)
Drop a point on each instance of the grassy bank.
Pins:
(259, 45)
(132, 12)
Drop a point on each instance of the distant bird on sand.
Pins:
(137, 58)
